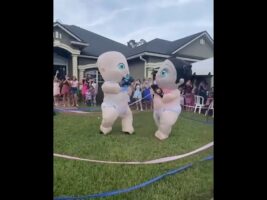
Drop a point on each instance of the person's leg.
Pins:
(94, 100)
(72, 101)
(64, 100)
(69, 99)
(84, 98)
(136, 103)
(76, 98)
(140, 103)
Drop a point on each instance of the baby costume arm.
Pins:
(111, 88)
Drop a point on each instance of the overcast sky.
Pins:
(123, 20)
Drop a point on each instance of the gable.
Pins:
(73, 37)
(200, 48)
(63, 37)
(66, 39)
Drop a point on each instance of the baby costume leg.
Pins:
(109, 116)
(156, 117)
(127, 122)
(167, 120)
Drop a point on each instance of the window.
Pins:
(202, 41)
(93, 74)
(57, 35)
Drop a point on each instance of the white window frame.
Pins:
(202, 41)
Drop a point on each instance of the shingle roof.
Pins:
(99, 44)
(161, 46)
(154, 46)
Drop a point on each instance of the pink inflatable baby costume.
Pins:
(170, 75)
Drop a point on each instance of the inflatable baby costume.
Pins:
(113, 67)
(170, 75)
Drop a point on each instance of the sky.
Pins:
(124, 20)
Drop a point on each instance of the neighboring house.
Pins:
(76, 51)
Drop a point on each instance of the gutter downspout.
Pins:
(141, 58)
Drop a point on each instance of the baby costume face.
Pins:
(166, 75)
(113, 66)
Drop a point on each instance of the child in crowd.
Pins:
(138, 96)
(147, 96)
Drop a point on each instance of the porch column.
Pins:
(75, 65)
(81, 74)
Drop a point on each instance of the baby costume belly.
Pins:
(159, 106)
(118, 101)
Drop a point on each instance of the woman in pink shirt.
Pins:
(66, 91)
(84, 89)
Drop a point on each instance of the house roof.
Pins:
(161, 46)
(99, 44)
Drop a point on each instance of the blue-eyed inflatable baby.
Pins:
(114, 69)
(172, 73)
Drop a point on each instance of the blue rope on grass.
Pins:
(116, 192)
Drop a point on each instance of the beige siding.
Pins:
(155, 59)
(86, 61)
(136, 68)
(195, 49)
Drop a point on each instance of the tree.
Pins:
(132, 43)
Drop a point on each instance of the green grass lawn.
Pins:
(78, 135)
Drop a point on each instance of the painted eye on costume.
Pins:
(121, 66)
(164, 73)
